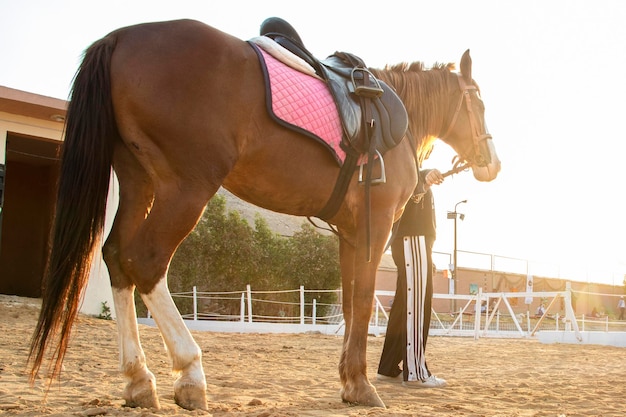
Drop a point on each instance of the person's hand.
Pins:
(434, 176)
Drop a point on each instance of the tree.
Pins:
(314, 263)
(314, 259)
(215, 256)
(224, 253)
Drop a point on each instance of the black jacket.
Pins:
(418, 218)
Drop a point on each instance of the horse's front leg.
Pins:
(358, 278)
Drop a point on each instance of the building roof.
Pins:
(32, 105)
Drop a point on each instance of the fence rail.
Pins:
(479, 315)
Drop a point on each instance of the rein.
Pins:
(458, 167)
(477, 135)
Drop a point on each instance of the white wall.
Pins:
(99, 287)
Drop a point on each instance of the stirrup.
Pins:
(375, 181)
(368, 91)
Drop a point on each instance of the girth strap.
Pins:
(341, 187)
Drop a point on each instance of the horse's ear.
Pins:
(466, 67)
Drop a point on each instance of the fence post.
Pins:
(583, 322)
(314, 313)
(249, 293)
(498, 321)
(301, 304)
(376, 312)
(570, 315)
(242, 309)
(607, 323)
(479, 313)
(195, 303)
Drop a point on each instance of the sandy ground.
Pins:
(296, 375)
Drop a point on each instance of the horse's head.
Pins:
(466, 131)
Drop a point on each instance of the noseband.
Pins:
(477, 132)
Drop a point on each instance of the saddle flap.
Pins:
(387, 110)
(349, 110)
(394, 119)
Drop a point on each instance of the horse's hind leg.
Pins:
(141, 389)
(144, 259)
(136, 195)
(190, 386)
(173, 215)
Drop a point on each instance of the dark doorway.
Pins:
(31, 173)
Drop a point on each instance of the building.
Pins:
(31, 133)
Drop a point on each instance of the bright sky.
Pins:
(551, 79)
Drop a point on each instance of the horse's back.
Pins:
(177, 62)
(180, 34)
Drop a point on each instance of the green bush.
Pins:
(225, 253)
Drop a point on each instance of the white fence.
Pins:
(497, 318)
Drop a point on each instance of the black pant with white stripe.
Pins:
(409, 319)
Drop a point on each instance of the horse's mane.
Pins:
(422, 91)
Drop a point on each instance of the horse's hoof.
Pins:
(190, 397)
(142, 393)
(368, 397)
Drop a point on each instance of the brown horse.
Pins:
(177, 109)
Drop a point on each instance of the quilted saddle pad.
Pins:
(302, 103)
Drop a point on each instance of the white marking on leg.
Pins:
(180, 344)
(190, 386)
(132, 356)
(141, 388)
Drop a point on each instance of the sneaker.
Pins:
(386, 378)
(430, 382)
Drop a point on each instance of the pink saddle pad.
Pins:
(304, 103)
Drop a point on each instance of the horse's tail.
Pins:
(80, 207)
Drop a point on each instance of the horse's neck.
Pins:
(426, 98)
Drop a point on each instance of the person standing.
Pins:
(409, 319)
(622, 307)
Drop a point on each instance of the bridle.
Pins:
(478, 135)
(461, 163)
